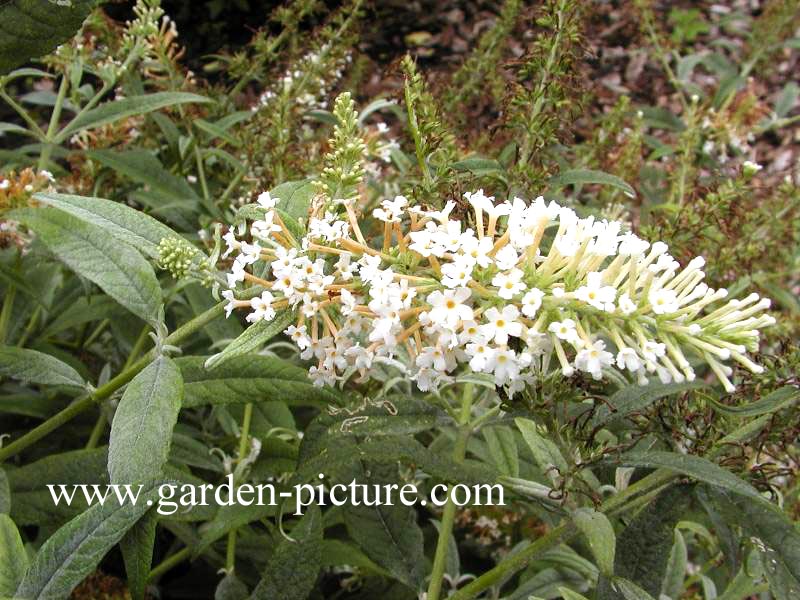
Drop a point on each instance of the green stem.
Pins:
(55, 117)
(87, 401)
(30, 327)
(97, 431)
(24, 114)
(244, 438)
(137, 347)
(449, 514)
(169, 563)
(5, 313)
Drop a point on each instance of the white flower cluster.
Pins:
(531, 289)
(312, 77)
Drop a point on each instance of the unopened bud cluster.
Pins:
(531, 290)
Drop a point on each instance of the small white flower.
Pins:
(457, 273)
(480, 353)
(299, 336)
(228, 295)
(262, 307)
(596, 294)
(532, 302)
(500, 325)
(628, 359)
(237, 274)
(593, 358)
(448, 308)
(509, 284)
(663, 301)
(432, 358)
(626, 305)
(265, 200)
(504, 364)
(506, 258)
(564, 330)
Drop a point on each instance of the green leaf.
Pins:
(503, 449)
(75, 550)
(676, 568)
(545, 452)
(143, 167)
(772, 402)
(292, 570)
(141, 432)
(231, 588)
(580, 177)
(396, 415)
(14, 128)
(388, 534)
(661, 118)
(599, 533)
(85, 309)
(643, 547)
(13, 558)
(253, 338)
(295, 197)
(127, 107)
(137, 553)
(33, 28)
(693, 466)
(337, 553)
(630, 591)
(635, 398)
(568, 594)
(251, 378)
(5, 494)
(479, 166)
(118, 269)
(36, 367)
(230, 517)
(131, 226)
(216, 132)
(773, 534)
(33, 504)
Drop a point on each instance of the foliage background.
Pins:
(583, 102)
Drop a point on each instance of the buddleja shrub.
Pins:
(198, 292)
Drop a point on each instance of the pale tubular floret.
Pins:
(490, 295)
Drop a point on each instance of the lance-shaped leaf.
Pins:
(388, 534)
(127, 107)
(255, 336)
(773, 534)
(117, 268)
(37, 367)
(141, 432)
(644, 546)
(13, 559)
(697, 467)
(634, 398)
(137, 553)
(291, 571)
(250, 379)
(585, 176)
(75, 550)
(33, 28)
(598, 531)
(132, 226)
(545, 452)
(503, 449)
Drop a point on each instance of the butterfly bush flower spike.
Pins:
(530, 291)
